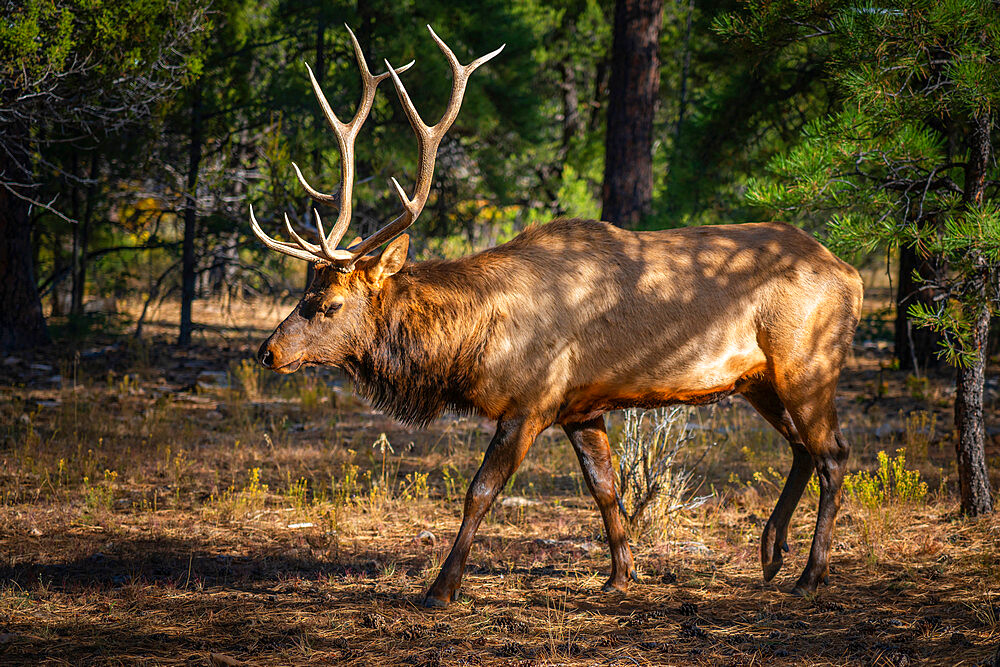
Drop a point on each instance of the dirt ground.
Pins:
(180, 506)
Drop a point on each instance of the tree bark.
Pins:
(571, 121)
(22, 324)
(635, 85)
(319, 71)
(970, 446)
(59, 265)
(81, 239)
(915, 347)
(682, 97)
(190, 219)
(75, 308)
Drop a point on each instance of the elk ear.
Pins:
(390, 261)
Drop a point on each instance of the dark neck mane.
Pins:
(430, 333)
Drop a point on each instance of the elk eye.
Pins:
(334, 307)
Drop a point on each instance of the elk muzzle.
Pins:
(274, 356)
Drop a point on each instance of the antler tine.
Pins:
(298, 239)
(284, 248)
(458, 81)
(428, 141)
(332, 199)
(366, 75)
(346, 133)
(330, 251)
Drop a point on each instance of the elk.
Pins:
(572, 319)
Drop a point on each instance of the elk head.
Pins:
(335, 311)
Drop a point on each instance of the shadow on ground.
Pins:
(175, 601)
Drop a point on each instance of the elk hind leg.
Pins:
(812, 410)
(773, 540)
(590, 440)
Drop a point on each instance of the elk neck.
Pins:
(428, 331)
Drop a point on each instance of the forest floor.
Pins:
(161, 505)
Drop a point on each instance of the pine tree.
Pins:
(69, 72)
(635, 85)
(905, 162)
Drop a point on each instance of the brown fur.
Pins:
(575, 318)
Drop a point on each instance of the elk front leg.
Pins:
(506, 451)
(590, 440)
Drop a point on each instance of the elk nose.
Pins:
(265, 356)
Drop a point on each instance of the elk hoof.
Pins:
(771, 566)
(434, 603)
(770, 552)
(805, 586)
(619, 584)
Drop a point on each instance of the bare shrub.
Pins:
(652, 484)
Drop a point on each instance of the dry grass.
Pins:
(161, 505)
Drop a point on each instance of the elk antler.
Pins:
(428, 141)
(346, 133)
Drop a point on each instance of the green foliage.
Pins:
(100, 495)
(878, 498)
(75, 76)
(35, 37)
(87, 39)
(297, 494)
(234, 504)
(888, 167)
(741, 112)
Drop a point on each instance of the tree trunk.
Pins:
(190, 219)
(915, 347)
(598, 101)
(970, 447)
(635, 85)
(319, 71)
(571, 121)
(682, 97)
(75, 308)
(22, 324)
(81, 239)
(58, 267)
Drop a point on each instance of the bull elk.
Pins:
(572, 319)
